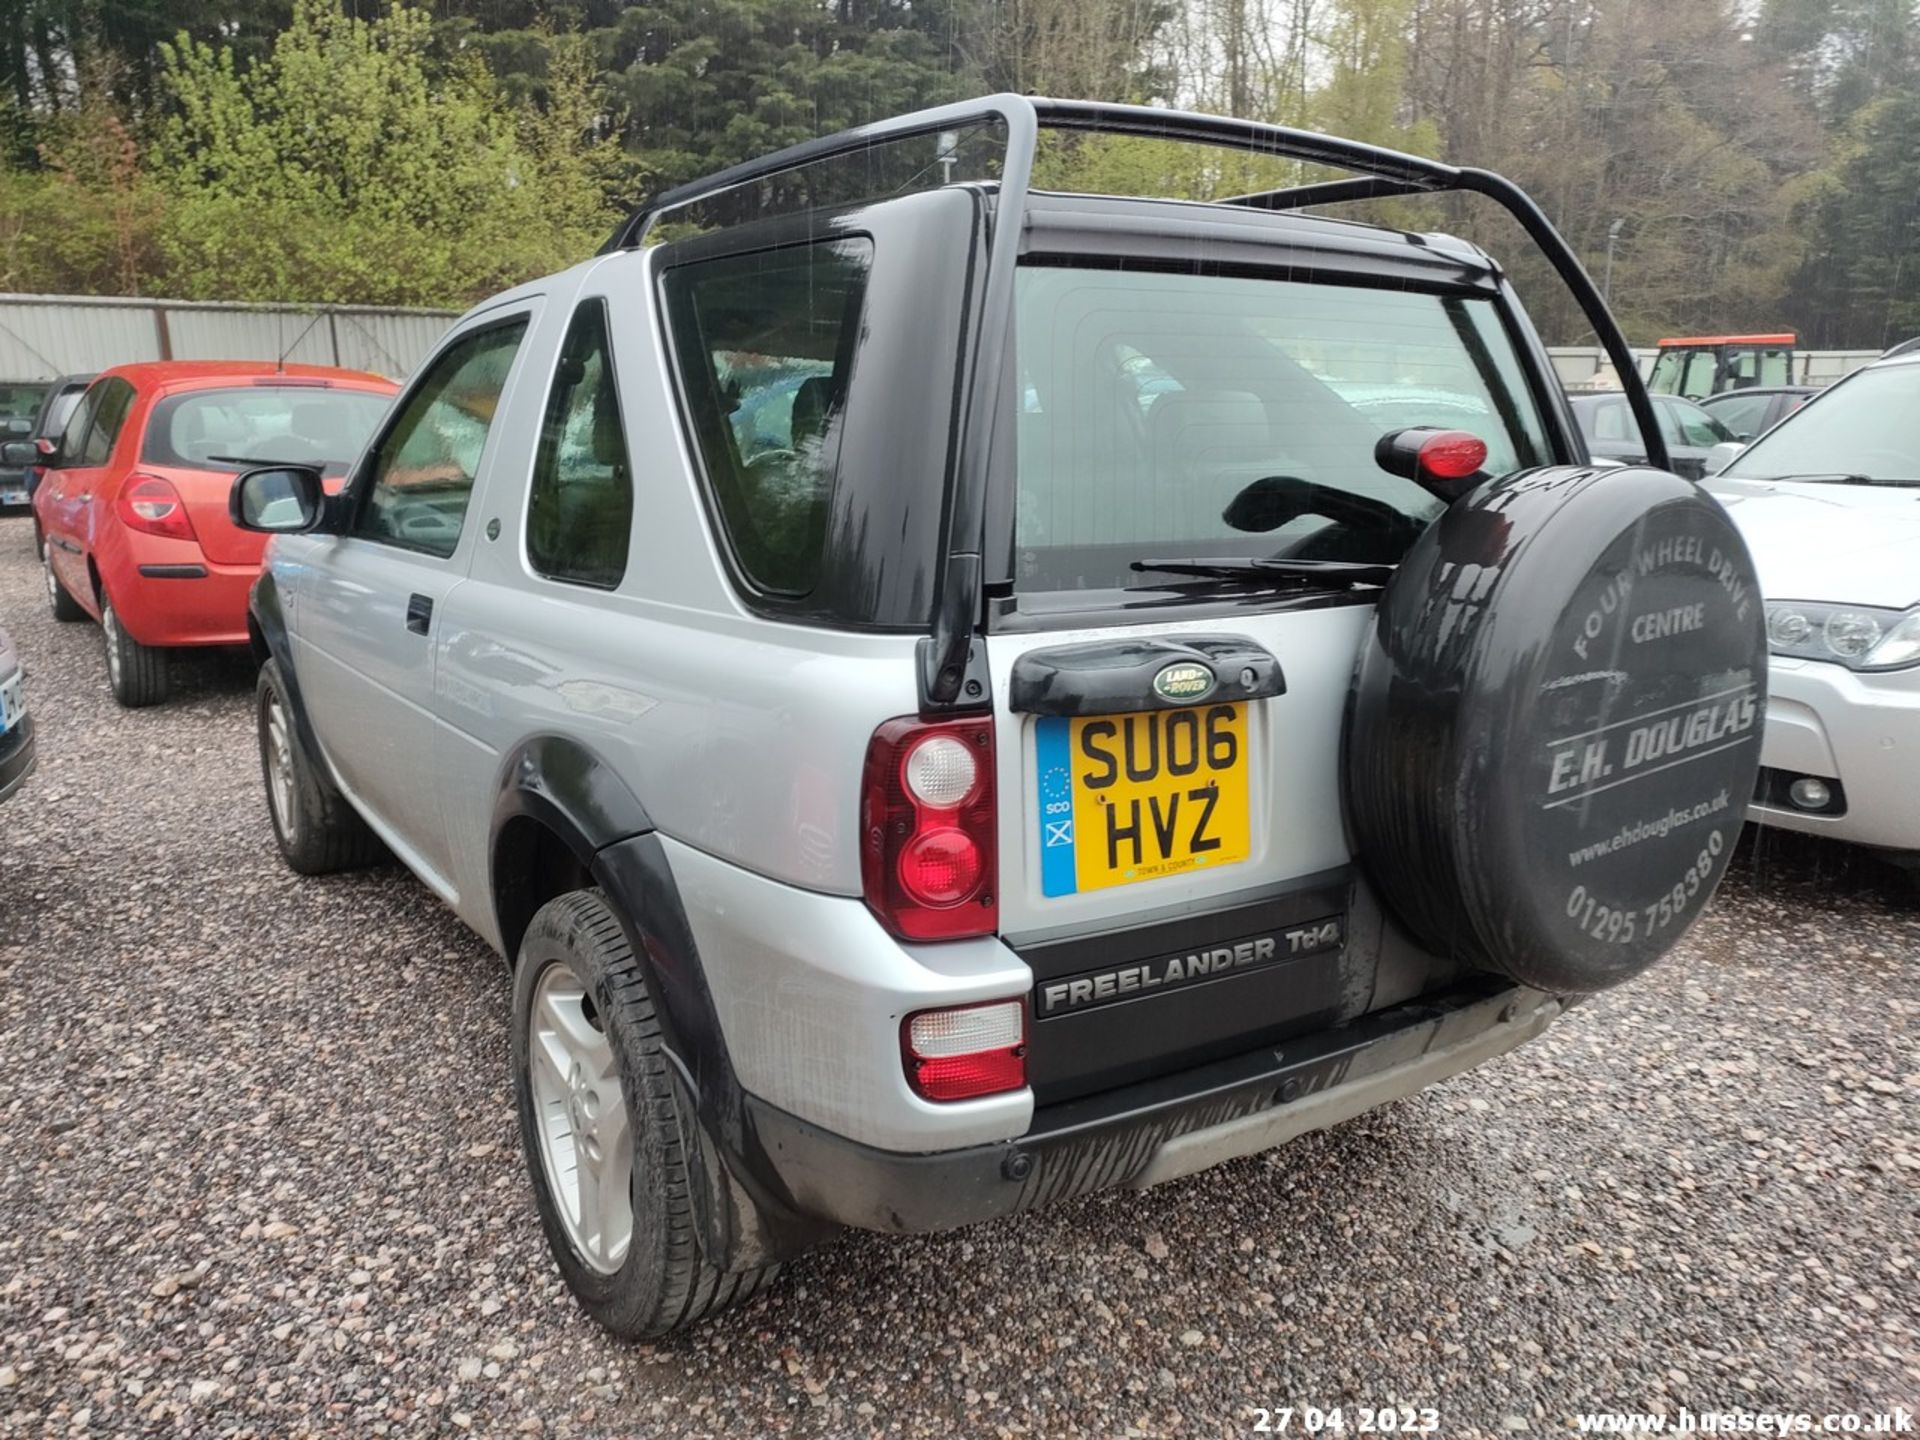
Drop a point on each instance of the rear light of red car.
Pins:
(153, 507)
(966, 1051)
(927, 824)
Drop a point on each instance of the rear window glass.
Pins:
(764, 345)
(1150, 401)
(18, 405)
(262, 425)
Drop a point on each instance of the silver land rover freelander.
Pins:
(952, 697)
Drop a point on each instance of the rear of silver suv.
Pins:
(970, 697)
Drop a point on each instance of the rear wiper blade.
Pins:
(1330, 574)
(252, 461)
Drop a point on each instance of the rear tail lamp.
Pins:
(151, 505)
(927, 822)
(965, 1052)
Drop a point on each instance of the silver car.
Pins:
(16, 725)
(1829, 503)
(942, 721)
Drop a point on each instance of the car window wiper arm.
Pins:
(1329, 574)
(1837, 477)
(256, 461)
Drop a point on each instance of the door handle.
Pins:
(419, 613)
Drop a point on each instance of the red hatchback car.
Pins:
(133, 505)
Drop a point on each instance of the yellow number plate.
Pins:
(1135, 797)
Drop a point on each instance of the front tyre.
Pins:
(317, 830)
(609, 1141)
(137, 673)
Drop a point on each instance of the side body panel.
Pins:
(364, 645)
(742, 737)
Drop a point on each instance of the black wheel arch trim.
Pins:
(570, 790)
(584, 805)
(269, 639)
(746, 1216)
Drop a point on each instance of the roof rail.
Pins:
(945, 659)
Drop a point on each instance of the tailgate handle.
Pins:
(1115, 677)
(419, 613)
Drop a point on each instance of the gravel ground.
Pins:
(259, 1174)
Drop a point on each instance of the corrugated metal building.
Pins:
(42, 336)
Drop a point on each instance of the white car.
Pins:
(1829, 503)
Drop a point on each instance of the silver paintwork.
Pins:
(811, 994)
(1294, 807)
(1254, 1134)
(744, 739)
(1864, 730)
(581, 1122)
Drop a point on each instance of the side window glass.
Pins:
(115, 400)
(1611, 421)
(1703, 369)
(580, 510)
(421, 475)
(764, 344)
(1699, 428)
(73, 438)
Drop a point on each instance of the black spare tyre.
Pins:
(1556, 721)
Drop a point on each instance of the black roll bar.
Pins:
(1383, 173)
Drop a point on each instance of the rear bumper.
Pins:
(1153, 1132)
(16, 757)
(180, 598)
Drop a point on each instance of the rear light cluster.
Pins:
(968, 1051)
(152, 506)
(927, 822)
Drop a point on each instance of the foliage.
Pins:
(1755, 162)
(1860, 282)
(308, 173)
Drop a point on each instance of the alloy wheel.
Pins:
(582, 1130)
(110, 625)
(280, 768)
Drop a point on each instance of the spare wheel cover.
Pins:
(1556, 722)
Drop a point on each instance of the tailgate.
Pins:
(1176, 875)
(204, 493)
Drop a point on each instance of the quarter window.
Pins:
(764, 345)
(73, 437)
(421, 473)
(96, 424)
(580, 510)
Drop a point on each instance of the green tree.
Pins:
(348, 166)
(707, 83)
(1860, 284)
